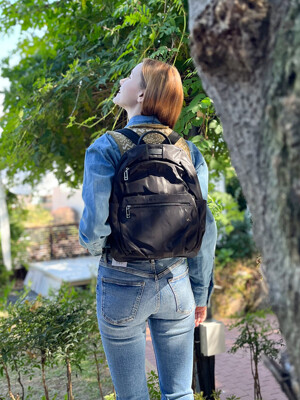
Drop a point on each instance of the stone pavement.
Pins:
(232, 372)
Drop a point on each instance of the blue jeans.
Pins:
(128, 296)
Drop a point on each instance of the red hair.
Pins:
(163, 95)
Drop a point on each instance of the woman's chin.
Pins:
(116, 100)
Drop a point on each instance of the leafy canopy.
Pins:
(72, 57)
(60, 98)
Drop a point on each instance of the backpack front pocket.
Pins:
(159, 229)
(120, 300)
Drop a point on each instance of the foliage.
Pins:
(223, 256)
(37, 216)
(72, 76)
(64, 100)
(60, 97)
(17, 215)
(238, 243)
(255, 331)
(153, 386)
(242, 287)
(233, 187)
(61, 330)
(155, 394)
(6, 284)
(215, 396)
(110, 397)
(235, 226)
(225, 210)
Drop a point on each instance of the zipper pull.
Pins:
(128, 211)
(126, 174)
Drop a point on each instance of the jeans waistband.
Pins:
(145, 268)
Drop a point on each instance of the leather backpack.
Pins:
(156, 206)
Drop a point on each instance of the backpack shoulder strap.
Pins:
(180, 142)
(173, 137)
(130, 134)
(125, 139)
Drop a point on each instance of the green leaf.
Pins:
(45, 95)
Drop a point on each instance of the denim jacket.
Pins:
(101, 161)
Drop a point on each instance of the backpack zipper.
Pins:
(126, 174)
(128, 211)
(154, 204)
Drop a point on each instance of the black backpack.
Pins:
(156, 205)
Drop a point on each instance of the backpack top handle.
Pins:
(136, 139)
(141, 139)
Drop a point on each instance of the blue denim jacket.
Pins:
(101, 160)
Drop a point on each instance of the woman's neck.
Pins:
(137, 110)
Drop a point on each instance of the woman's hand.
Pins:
(200, 315)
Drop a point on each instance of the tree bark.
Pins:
(43, 362)
(247, 53)
(98, 374)
(69, 377)
(8, 382)
(20, 380)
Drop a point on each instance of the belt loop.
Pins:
(105, 256)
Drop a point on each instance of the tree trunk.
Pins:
(43, 362)
(98, 374)
(20, 380)
(8, 382)
(247, 54)
(69, 377)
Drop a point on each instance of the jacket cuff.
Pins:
(202, 295)
(95, 249)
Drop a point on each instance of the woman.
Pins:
(171, 294)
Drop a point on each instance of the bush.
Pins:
(238, 244)
(255, 335)
(237, 241)
(243, 288)
(6, 284)
(17, 217)
(62, 330)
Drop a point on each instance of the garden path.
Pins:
(232, 371)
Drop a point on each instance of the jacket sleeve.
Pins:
(99, 169)
(201, 267)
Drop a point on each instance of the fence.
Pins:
(53, 242)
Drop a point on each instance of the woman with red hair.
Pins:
(171, 294)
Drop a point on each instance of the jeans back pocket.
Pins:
(120, 300)
(182, 290)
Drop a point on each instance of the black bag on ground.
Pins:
(156, 205)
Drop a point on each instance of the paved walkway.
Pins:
(232, 372)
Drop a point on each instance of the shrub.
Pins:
(238, 243)
(61, 330)
(255, 331)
